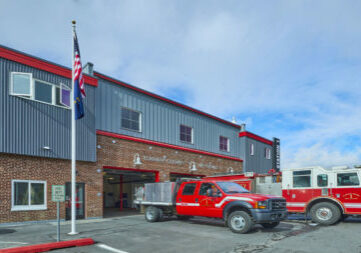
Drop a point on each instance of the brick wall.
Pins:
(165, 160)
(54, 172)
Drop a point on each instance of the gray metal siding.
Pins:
(257, 162)
(160, 120)
(26, 126)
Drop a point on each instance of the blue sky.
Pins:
(290, 69)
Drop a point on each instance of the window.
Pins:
(25, 86)
(346, 179)
(251, 149)
(267, 153)
(186, 134)
(28, 195)
(189, 189)
(322, 180)
(262, 180)
(21, 84)
(232, 187)
(130, 120)
(302, 178)
(223, 143)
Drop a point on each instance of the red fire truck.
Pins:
(229, 201)
(328, 195)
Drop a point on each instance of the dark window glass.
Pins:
(130, 119)
(21, 193)
(302, 178)
(37, 194)
(345, 179)
(223, 143)
(43, 92)
(322, 180)
(189, 189)
(185, 133)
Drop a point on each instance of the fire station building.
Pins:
(127, 137)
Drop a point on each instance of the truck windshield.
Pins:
(231, 187)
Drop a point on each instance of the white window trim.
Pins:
(228, 144)
(28, 207)
(32, 90)
(251, 149)
(62, 87)
(268, 153)
(140, 120)
(12, 84)
(192, 135)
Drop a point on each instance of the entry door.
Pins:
(209, 197)
(79, 200)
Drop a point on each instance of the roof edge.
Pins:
(255, 137)
(148, 93)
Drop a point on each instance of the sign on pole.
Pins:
(58, 193)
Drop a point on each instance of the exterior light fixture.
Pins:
(230, 170)
(46, 148)
(113, 141)
(99, 170)
(136, 160)
(192, 166)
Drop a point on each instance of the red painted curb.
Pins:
(49, 246)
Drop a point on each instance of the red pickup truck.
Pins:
(229, 201)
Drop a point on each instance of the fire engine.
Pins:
(229, 201)
(327, 195)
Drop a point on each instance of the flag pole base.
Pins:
(73, 233)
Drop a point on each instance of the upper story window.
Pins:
(346, 179)
(251, 149)
(302, 178)
(24, 85)
(223, 143)
(28, 195)
(131, 119)
(267, 153)
(186, 134)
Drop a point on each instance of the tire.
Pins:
(239, 222)
(270, 225)
(153, 214)
(183, 217)
(325, 213)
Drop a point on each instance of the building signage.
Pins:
(164, 159)
(276, 161)
(58, 193)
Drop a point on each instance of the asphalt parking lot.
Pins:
(134, 234)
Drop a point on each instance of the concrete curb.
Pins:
(49, 246)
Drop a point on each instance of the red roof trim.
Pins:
(42, 64)
(163, 99)
(164, 145)
(255, 137)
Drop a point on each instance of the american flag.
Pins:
(78, 76)
(79, 89)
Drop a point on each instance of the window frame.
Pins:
(327, 180)
(267, 153)
(305, 175)
(28, 207)
(251, 149)
(139, 119)
(228, 144)
(11, 86)
(347, 186)
(192, 134)
(194, 190)
(32, 90)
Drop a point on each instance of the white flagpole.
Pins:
(73, 149)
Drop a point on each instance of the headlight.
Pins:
(261, 204)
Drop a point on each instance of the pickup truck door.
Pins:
(208, 197)
(186, 199)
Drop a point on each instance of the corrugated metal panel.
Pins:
(257, 162)
(160, 120)
(27, 126)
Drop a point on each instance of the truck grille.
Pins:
(278, 204)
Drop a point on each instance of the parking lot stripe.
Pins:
(106, 247)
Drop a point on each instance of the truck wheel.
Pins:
(270, 225)
(325, 213)
(152, 214)
(239, 222)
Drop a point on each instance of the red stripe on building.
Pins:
(255, 137)
(163, 99)
(42, 65)
(164, 145)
